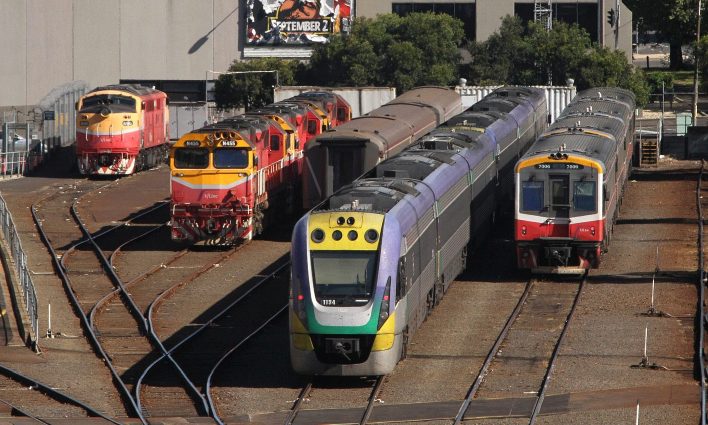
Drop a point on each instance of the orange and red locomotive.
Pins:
(227, 176)
(121, 129)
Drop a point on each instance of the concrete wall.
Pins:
(46, 43)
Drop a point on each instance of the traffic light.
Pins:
(611, 17)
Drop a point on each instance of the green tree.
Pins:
(418, 49)
(674, 19)
(518, 55)
(252, 89)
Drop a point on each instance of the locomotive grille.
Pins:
(343, 349)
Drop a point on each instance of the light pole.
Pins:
(695, 70)
(206, 82)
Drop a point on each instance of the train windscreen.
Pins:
(126, 103)
(191, 158)
(343, 277)
(230, 158)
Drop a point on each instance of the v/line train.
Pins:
(225, 176)
(569, 185)
(371, 261)
(337, 157)
(121, 129)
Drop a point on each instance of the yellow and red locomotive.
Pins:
(224, 177)
(570, 182)
(121, 129)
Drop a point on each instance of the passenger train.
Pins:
(569, 184)
(226, 176)
(371, 261)
(337, 157)
(121, 129)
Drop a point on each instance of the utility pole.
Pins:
(695, 60)
(543, 14)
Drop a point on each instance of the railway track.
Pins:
(297, 415)
(24, 396)
(517, 358)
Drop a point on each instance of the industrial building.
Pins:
(177, 45)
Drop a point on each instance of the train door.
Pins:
(345, 165)
(559, 208)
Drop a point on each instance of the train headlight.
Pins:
(318, 235)
(337, 235)
(127, 123)
(352, 235)
(340, 220)
(371, 235)
(385, 304)
(523, 230)
(592, 230)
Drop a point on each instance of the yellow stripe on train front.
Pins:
(571, 159)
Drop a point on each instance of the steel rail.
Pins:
(212, 406)
(23, 412)
(53, 393)
(372, 399)
(167, 353)
(135, 310)
(701, 301)
(295, 409)
(93, 338)
(556, 350)
(472, 392)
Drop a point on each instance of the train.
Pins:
(225, 177)
(370, 262)
(337, 157)
(569, 184)
(121, 129)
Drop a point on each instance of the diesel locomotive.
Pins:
(371, 261)
(121, 129)
(226, 177)
(337, 157)
(569, 184)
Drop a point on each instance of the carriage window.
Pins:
(274, 143)
(584, 196)
(532, 196)
(230, 158)
(345, 274)
(191, 158)
(312, 126)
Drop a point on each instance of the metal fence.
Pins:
(557, 97)
(20, 259)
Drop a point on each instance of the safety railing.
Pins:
(23, 273)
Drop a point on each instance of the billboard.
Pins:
(295, 22)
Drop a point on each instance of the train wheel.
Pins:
(430, 301)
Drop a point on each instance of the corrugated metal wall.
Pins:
(361, 99)
(556, 96)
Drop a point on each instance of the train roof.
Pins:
(607, 123)
(608, 106)
(135, 89)
(583, 142)
(616, 93)
(443, 101)
(477, 119)
(496, 104)
(370, 194)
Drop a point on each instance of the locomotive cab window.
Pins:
(274, 143)
(104, 100)
(230, 158)
(312, 126)
(584, 196)
(343, 278)
(341, 114)
(532, 195)
(195, 158)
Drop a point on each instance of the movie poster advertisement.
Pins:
(295, 22)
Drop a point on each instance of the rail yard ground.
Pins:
(598, 378)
